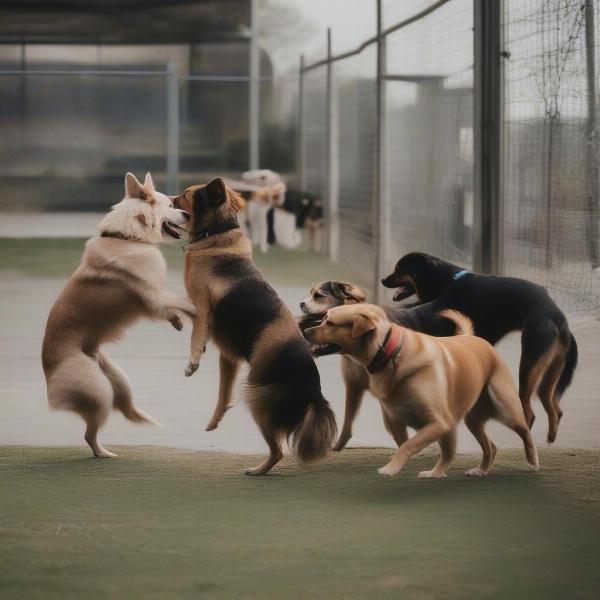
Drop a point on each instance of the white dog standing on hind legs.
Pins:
(120, 279)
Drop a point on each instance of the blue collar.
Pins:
(459, 275)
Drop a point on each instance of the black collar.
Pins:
(214, 230)
(389, 350)
(121, 236)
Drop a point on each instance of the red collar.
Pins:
(389, 350)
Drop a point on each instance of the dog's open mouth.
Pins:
(404, 291)
(325, 349)
(171, 229)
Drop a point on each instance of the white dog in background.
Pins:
(268, 191)
(120, 279)
(261, 177)
(259, 205)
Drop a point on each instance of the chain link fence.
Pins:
(387, 134)
(393, 150)
(550, 224)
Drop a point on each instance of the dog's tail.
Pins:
(123, 399)
(314, 436)
(570, 365)
(464, 326)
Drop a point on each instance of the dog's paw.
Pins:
(476, 472)
(105, 454)
(388, 471)
(176, 322)
(191, 368)
(341, 443)
(212, 425)
(431, 475)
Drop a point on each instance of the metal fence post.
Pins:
(591, 162)
(380, 206)
(172, 83)
(487, 121)
(301, 125)
(332, 215)
(254, 104)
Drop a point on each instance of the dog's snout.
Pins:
(302, 305)
(390, 281)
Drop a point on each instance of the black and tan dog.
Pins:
(497, 306)
(248, 321)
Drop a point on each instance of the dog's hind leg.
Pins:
(275, 453)
(510, 412)
(79, 385)
(537, 341)
(122, 394)
(475, 421)
(227, 372)
(548, 394)
(447, 449)
(264, 232)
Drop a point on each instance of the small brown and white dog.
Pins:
(259, 204)
(120, 279)
(248, 321)
(428, 383)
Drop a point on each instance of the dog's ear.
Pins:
(148, 183)
(362, 325)
(355, 293)
(133, 188)
(145, 220)
(216, 192)
(347, 291)
(237, 200)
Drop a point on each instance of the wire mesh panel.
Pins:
(315, 160)
(278, 125)
(213, 129)
(551, 149)
(355, 113)
(67, 140)
(428, 133)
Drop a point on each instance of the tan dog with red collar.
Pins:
(428, 383)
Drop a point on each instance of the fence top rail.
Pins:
(135, 73)
(84, 72)
(372, 40)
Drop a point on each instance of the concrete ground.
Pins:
(49, 225)
(154, 356)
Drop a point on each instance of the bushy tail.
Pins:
(133, 413)
(123, 399)
(314, 437)
(570, 365)
(464, 326)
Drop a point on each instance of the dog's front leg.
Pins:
(170, 307)
(200, 333)
(425, 436)
(356, 384)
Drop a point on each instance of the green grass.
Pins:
(159, 523)
(48, 257)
